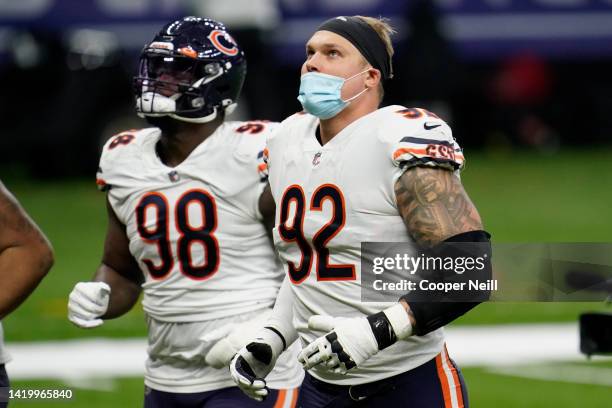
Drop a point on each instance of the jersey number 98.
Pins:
(188, 234)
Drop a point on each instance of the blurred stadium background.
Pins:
(525, 84)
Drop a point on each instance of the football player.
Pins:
(344, 172)
(25, 258)
(187, 224)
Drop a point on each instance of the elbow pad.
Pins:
(431, 315)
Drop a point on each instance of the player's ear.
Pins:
(373, 78)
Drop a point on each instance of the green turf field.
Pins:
(73, 216)
(523, 197)
(486, 389)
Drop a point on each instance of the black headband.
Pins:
(365, 39)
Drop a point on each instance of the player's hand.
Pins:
(87, 302)
(351, 341)
(348, 343)
(231, 338)
(253, 363)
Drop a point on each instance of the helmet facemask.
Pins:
(171, 85)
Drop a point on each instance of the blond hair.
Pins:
(385, 31)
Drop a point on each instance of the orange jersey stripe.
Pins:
(262, 167)
(443, 382)
(281, 399)
(403, 150)
(455, 378)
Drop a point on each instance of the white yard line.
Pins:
(559, 372)
(489, 346)
(513, 344)
(77, 359)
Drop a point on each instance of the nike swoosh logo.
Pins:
(429, 127)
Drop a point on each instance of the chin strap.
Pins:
(205, 119)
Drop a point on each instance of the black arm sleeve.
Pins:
(431, 315)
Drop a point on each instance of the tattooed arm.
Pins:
(434, 205)
(25, 254)
(435, 208)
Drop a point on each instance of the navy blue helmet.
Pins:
(191, 70)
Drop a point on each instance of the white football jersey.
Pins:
(196, 232)
(331, 198)
(176, 357)
(195, 229)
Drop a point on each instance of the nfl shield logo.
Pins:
(316, 159)
(174, 176)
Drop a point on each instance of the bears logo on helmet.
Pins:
(214, 38)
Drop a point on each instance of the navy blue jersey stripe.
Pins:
(424, 161)
(420, 140)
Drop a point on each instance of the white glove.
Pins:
(351, 341)
(87, 302)
(253, 363)
(231, 338)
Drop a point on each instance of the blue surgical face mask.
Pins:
(320, 94)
